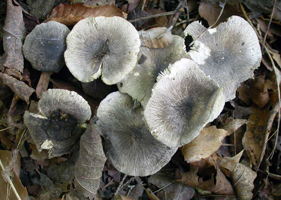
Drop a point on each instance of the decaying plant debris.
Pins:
(140, 99)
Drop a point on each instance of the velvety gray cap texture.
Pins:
(183, 101)
(228, 53)
(130, 146)
(102, 46)
(45, 45)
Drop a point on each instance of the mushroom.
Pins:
(139, 82)
(45, 45)
(58, 126)
(102, 46)
(228, 53)
(130, 146)
(183, 101)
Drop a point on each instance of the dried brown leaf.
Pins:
(204, 145)
(5, 157)
(43, 83)
(254, 136)
(90, 163)
(12, 40)
(70, 14)
(242, 177)
(18, 87)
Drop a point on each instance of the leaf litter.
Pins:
(202, 168)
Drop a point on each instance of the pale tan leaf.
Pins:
(94, 2)
(204, 145)
(70, 14)
(230, 163)
(90, 163)
(151, 195)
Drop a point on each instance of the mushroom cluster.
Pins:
(179, 92)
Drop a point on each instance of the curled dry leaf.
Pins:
(5, 157)
(254, 136)
(90, 163)
(12, 38)
(242, 176)
(18, 87)
(70, 14)
(204, 145)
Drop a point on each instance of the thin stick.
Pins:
(120, 185)
(269, 23)
(222, 9)
(153, 16)
(7, 178)
(7, 128)
(164, 187)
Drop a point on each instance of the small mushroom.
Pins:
(228, 53)
(183, 101)
(139, 82)
(45, 45)
(130, 146)
(57, 127)
(102, 46)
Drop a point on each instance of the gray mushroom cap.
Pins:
(139, 82)
(228, 53)
(130, 146)
(183, 101)
(56, 128)
(102, 46)
(67, 101)
(45, 45)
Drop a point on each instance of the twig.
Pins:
(222, 9)
(269, 23)
(153, 16)
(7, 178)
(164, 187)
(7, 128)
(120, 185)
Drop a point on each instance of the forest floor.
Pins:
(239, 152)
